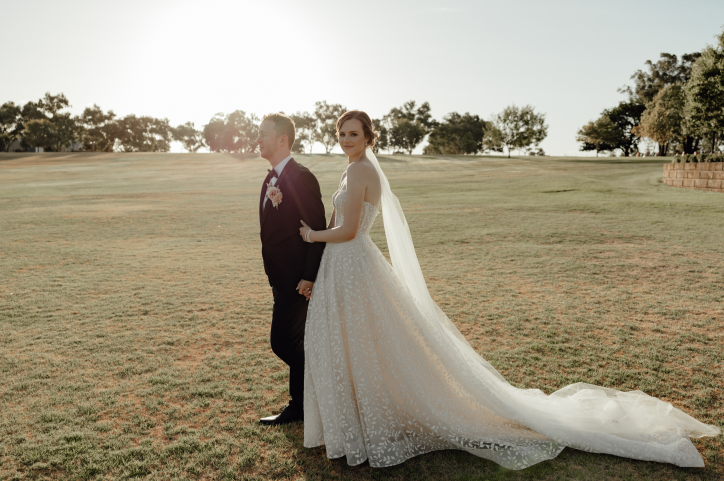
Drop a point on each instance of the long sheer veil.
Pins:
(383, 359)
(524, 406)
(403, 256)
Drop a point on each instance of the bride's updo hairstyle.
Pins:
(371, 135)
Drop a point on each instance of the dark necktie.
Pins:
(270, 176)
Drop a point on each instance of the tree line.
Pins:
(677, 104)
(404, 128)
(47, 124)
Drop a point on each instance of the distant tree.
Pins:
(409, 125)
(144, 134)
(383, 141)
(305, 129)
(243, 130)
(457, 134)
(191, 139)
(625, 116)
(65, 132)
(32, 111)
(663, 119)
(235, 132)
(38, 133)
(327, 116)
(408, 111)
(60, 129)
(492, 138)
(600, 135)
(520, 128)
(214, 133)
(10, 124)
(53, 104)
(667, 71)
(99, 129)
(705, 94)
(327, 136)
(406, 134)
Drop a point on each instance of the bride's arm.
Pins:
(332, 219)
(353, 203)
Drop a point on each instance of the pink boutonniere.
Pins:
(274, 195)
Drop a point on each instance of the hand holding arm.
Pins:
(353, 203)
(311, 210)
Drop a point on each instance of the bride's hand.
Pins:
(304, 229)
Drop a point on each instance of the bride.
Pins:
(388, 376)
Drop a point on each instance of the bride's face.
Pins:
(352, 138)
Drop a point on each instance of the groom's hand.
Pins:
(305, 288)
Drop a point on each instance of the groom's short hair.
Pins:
(283, 126)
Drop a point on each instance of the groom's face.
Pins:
(268, 139)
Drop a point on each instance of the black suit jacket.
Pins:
(287, 258)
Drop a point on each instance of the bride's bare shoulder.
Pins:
(363, 170)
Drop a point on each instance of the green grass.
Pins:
(134, 311)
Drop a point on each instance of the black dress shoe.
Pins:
(288, 415)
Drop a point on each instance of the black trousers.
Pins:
(287, 339)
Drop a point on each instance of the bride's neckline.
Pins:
(339, 191)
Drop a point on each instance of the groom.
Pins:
(290, 193)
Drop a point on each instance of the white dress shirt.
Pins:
(278, 169)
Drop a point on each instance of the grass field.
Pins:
(134, 310)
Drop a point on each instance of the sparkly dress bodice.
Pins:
(369, 211)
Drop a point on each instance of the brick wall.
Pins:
(702, 176)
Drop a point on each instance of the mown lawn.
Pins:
(134, 310)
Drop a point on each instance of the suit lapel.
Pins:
(292, 163)
(261, 200)
(261, 197)
(287, 168)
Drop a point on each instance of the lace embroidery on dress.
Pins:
(383, 382)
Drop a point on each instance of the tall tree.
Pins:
(144, 134)
(492, 138)
(100, 130)
(625, 116)
(53, 104)
(408, 125)
(457, 134)
(10, 125)
(191, 139)
(326, 116)
(600, 135)
(705, 94)
(663, 119)
(65, 132)
(409, 111)
(38, 133)
(406, 134)
(520, 128)
(666, 71)
(383, 141)
(60, 129)
(305, 125)
(235, 132)
(214, 132)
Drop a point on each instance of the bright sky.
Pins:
(187, 60)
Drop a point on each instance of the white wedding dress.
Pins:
(389, 377)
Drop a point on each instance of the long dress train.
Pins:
(385, 380)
